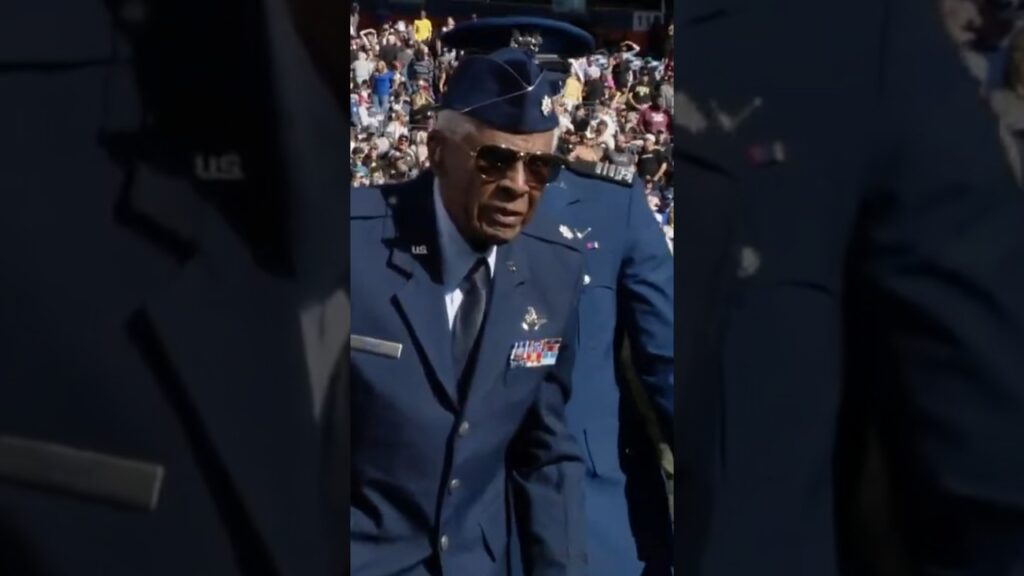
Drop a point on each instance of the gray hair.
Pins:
(457, 125)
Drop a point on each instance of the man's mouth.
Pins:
(504, 216)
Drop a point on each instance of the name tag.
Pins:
(376, 346)
(38, 464)
(534, 353)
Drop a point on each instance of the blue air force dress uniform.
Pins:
(627, 289)
(834, 273)
(436, 454)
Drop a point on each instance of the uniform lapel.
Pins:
(421, 298)
(504, 315)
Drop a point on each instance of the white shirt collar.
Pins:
(457, 256)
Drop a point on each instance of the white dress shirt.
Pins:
(457, 257)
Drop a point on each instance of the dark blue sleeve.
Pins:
(646, 307)
(546, 473)
(943, 280)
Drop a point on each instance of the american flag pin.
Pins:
(593, 245)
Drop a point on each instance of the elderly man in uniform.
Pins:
(463, 328)
(842, 272)
(627, 291)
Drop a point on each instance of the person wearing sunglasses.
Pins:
(463, 327)
(623, 414)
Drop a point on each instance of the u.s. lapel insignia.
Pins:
(545, 106)
(534, 353)
(565, 232)
(532, 321)
(689, 116)
(579, 234)
(728, 123)
(419, 250)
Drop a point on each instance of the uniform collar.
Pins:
(457, 256)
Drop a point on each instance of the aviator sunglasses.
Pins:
(494, 162)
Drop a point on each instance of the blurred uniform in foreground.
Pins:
(851, 246)
(463, 336)
(160, 391)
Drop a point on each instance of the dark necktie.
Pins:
(470, 316)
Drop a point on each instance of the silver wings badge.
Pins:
(532, 321)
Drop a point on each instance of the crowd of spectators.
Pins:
(989, 35)
(616, 106)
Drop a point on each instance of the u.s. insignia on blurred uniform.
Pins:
(688, 114)
(532, 320)
(729, 123)
(566, 231)
(534, 353)
(545, 106)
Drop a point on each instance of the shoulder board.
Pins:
(604, 171)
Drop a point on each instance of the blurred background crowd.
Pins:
(990, 37)
(616, 106)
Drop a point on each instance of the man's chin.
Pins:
(498, 235)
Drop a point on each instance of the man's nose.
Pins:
(517, 178)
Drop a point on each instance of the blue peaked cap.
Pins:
(505, 87)
(492, 34)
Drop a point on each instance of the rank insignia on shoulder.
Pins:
(534, 353)
(623, 175)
